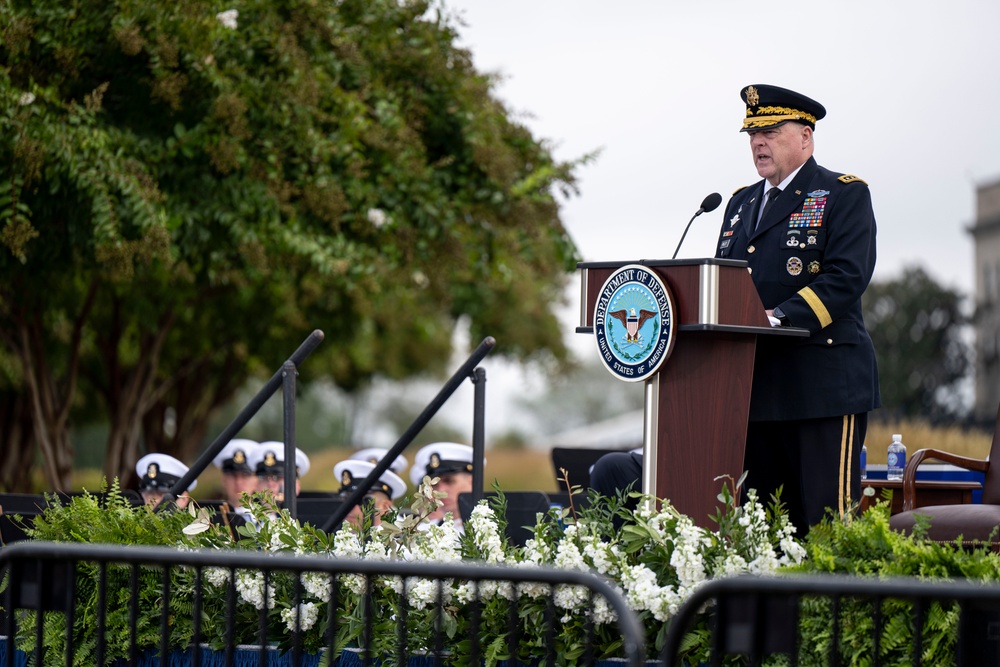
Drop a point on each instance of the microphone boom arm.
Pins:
(710, 203)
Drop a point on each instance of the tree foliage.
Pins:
(916, 327)
(187, 191)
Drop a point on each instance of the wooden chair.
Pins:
(973, 522)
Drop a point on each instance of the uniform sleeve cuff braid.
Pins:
(814, 302)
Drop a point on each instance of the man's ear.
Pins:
(807, 135)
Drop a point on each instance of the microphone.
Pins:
(709, 203)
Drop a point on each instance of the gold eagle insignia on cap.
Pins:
(239, 457)
(435, 461)
(345, 478)
(270, 459)
(752, 96)
(152, 470)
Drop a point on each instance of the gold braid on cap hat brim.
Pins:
(767, 116)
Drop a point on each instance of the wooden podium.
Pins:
(697, 405)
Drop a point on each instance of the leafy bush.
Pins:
(656, 560)
(866, 546)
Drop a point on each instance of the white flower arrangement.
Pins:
(656, 562)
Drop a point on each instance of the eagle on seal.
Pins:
(632, 322)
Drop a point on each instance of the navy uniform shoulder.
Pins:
(850, 178)
(739, 190)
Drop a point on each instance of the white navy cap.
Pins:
(352, 473)
(441, 458)
(269, 459)
(236, 456)
(376, 454)
(160, 472)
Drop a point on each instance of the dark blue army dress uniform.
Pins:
(811, 257)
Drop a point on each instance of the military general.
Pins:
(808, 236)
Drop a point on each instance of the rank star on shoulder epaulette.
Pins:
(851, 178)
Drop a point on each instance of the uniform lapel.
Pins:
(754, 205)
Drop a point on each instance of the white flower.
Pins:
(228, 18)
(422, 593)
(217, 576)
(568, 554)
(484, 590)
(486, 533)
(602, 556)
(571, 597)
(668, 602)
(250, 586)
(309, 612)
(603, 613)
(420, 279)
(733, 564)
(355, 583)
(440, 543)
(317, 584)
(346, 544)
(641, 590)
(794, 552)
(377, 217)
(687, 558)
(26, 99)
(536, 552)
(376, 550)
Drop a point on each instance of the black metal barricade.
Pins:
(845, 620)
(69, 592)
(286, 378)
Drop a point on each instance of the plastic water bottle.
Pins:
(897, 458)
(864, 461)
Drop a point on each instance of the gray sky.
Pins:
(911, 90)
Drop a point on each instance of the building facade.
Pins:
(986, 240)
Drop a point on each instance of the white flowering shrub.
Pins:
(655, 557)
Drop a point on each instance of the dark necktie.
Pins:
(772, 194)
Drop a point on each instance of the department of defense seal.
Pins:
(634, 323)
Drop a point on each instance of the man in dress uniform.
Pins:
(157, 474)
(381, 494)
(238, 477)
(808, 235)
(451, 464)
(269, 465)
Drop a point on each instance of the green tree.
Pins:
(916, 326)
(186, 192)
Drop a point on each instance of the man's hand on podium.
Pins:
(777, 318)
